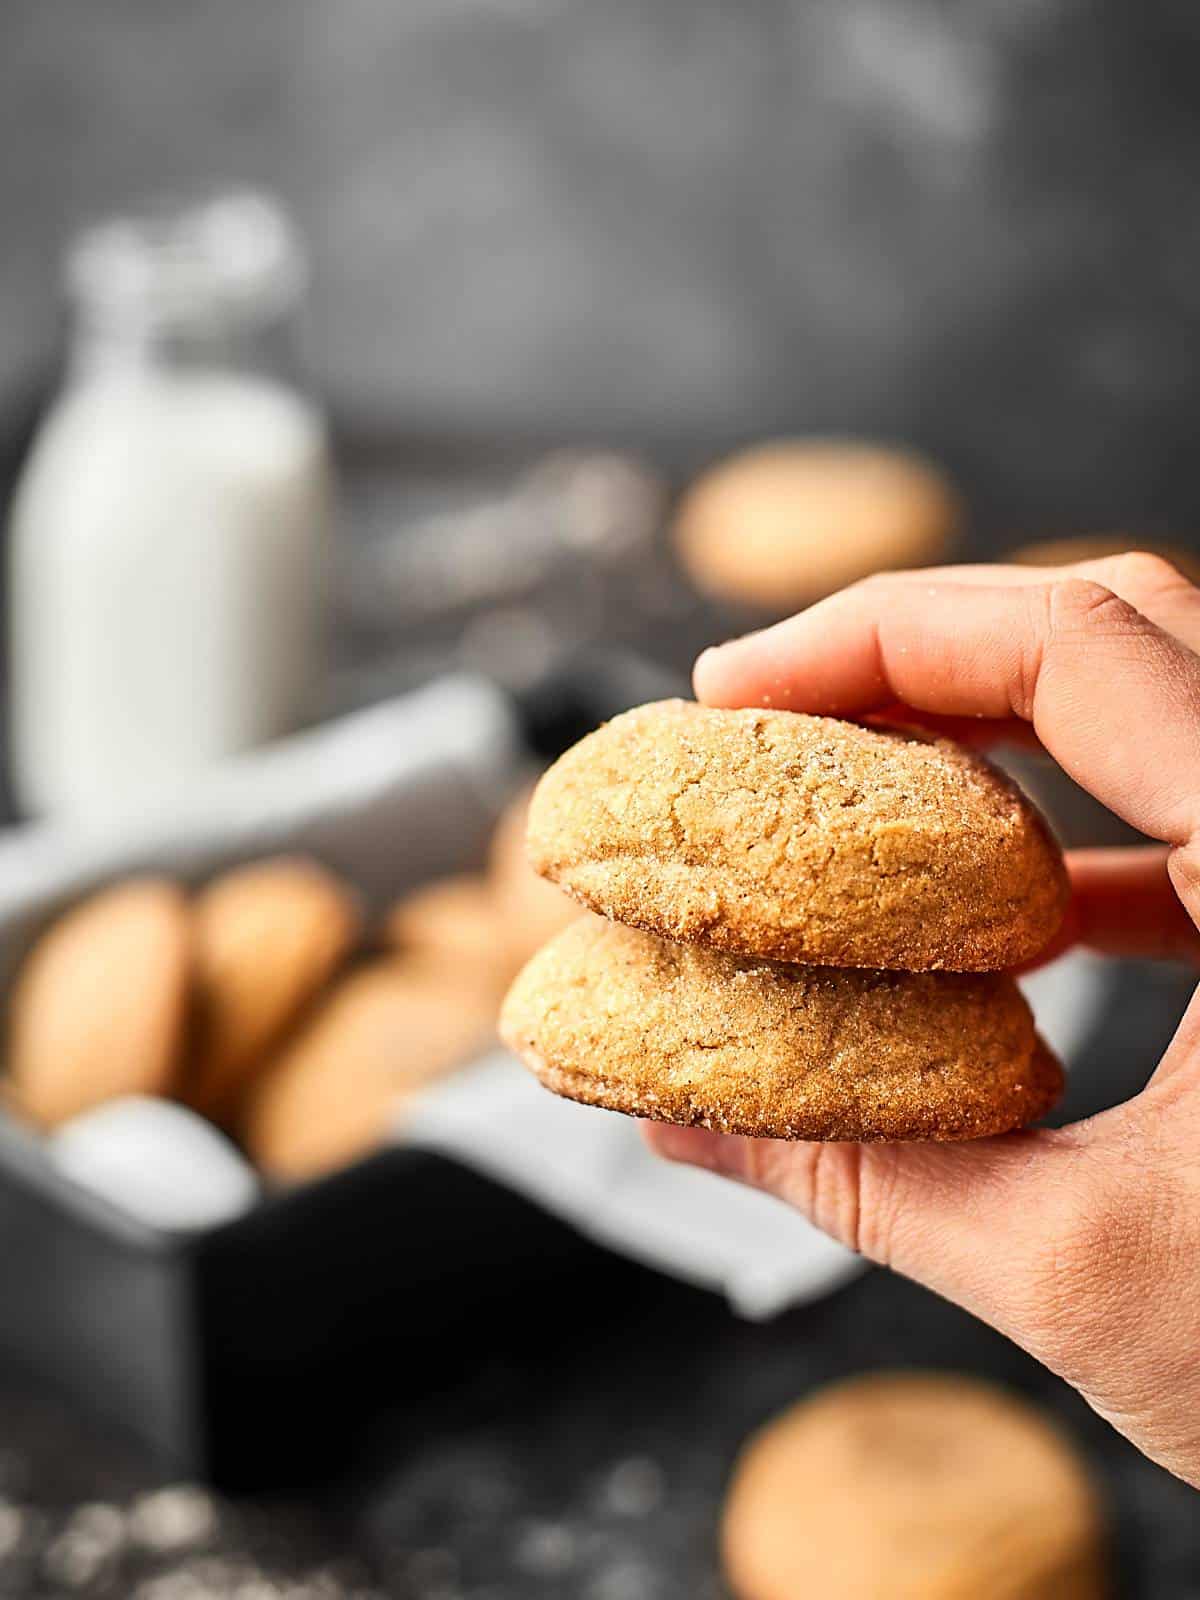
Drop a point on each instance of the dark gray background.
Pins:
(970, 224)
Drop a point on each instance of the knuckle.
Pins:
(1080, 605)
(1143, 572)
(875, 1204)
(823, 1181)
(1183, 869)
(847, 1189)
(759, 1162)
(871, 584)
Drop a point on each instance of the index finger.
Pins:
(1112, 696)
(1149, 583)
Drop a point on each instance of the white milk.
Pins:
(168, 533)
(167, 542)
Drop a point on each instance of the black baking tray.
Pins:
(246, 1355)
(252, 1354)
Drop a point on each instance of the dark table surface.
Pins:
(588, 1461)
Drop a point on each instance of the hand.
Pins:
(1081, 1243)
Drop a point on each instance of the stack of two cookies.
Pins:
(805, 929)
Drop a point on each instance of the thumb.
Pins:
(1003, 1227)
(1079, 1243)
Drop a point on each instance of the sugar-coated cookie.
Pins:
(268, 937)
(912, 1486)
(337, 1085)
(789, 522)
(800, 838)
(619, 1018)
(99, 1007)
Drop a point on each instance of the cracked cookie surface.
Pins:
(800, 838)
(620, 1018)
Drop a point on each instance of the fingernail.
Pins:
(707, 657)
(710, 660)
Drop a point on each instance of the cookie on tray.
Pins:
(530, 909)
(455, 925)
(100, 1005)
(339, 1082)
(269, 936)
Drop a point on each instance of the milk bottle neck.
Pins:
(212, 286)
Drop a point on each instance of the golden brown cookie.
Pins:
(269, 936)
(530, 909)
(99, 1007)
(912, 1486)
(619, 1018)
(789, 522)
(455, 926)
(1100, 546)
(800, 838)
(335, 1088)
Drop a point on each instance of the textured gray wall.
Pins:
(971, 223)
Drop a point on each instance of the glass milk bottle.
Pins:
(169, 529)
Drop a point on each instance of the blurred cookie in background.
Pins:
(532, 910)
(1099, 546)
(100, 1006)
(334, 1090)
(454, 925)
(917, 1486)
(482, 927)
(786, 523)
(269, 936)
(144, 991)
(147, 990)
